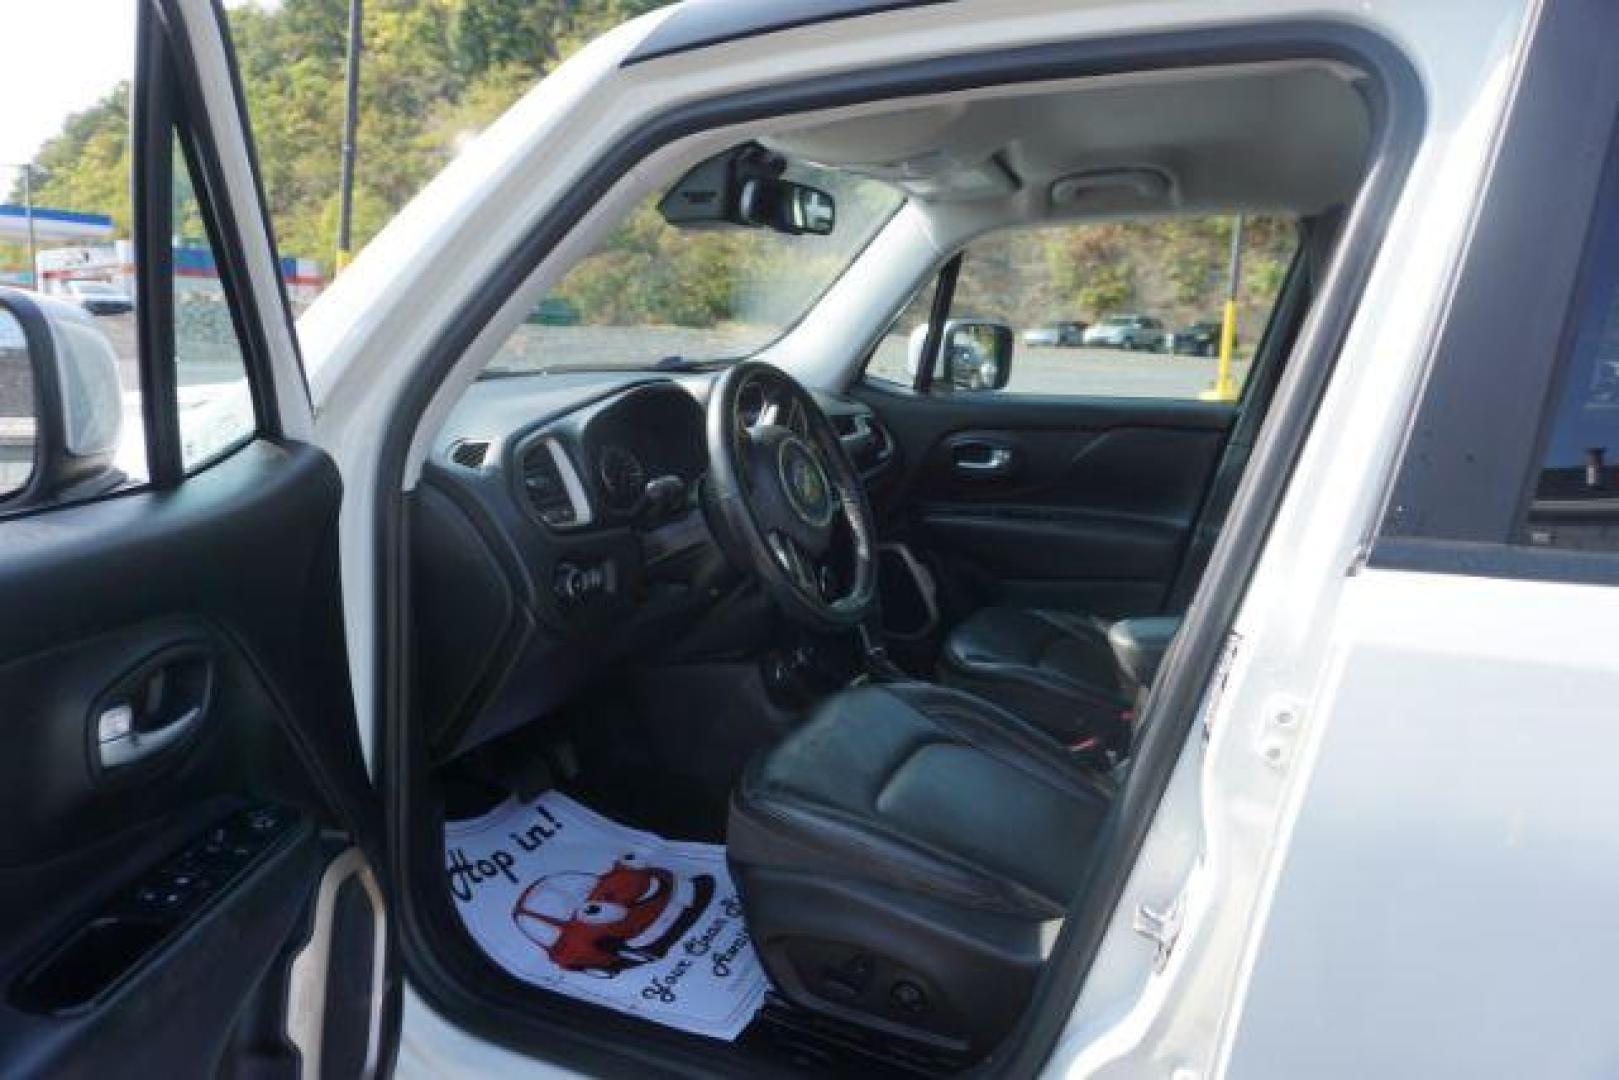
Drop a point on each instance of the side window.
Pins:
(1576, 497)
(1135, 309)
(73, 425)
(215, 403)
(66, 243)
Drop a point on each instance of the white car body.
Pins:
(1369, 869)
(1126, 330)
(94, 294)
(1054, 336)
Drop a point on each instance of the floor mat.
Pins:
(567, 900)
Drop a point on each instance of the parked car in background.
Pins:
(554, 311)
(100, 298)
(1127, 332)
(1198, 339)
(1066, 335)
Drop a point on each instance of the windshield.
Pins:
(653, 295)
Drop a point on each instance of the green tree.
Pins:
(86, 166)
(436, 70)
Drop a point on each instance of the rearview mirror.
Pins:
(787, 207)
(743, 188)
(61, 409)
(974, 354)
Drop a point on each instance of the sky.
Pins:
(60, 56)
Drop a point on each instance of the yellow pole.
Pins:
(1225, 387)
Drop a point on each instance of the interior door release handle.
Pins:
(982, 459)
(121, 744)
(153, 708)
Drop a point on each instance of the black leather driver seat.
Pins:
(905, 858)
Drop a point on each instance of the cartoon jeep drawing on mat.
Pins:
(602, 924)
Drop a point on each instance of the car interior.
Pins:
(724, 605)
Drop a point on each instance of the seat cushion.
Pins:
(1055, 670)
(905, 857)
(928, 789)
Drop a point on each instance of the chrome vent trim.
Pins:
(572, 487)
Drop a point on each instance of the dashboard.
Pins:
(558, 530)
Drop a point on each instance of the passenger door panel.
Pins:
(1089, 510)
(109, 961)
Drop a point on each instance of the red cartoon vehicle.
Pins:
(602, 924)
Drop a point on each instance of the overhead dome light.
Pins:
(1131, 185)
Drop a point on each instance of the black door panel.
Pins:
(213, 611)
(1049, 558)
(1155, 473)
(76, 1010)
(1083, 504)
(57, 789)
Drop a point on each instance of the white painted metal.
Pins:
(432, 1048)
(1442, 901)
(311, 971)
(1290, 625)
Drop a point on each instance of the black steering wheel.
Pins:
(784, 501)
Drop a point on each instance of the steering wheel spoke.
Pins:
(770, 414)
(799, 564)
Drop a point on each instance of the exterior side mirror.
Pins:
(977, 354)
(61, 408)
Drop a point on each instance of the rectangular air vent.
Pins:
(470, 453)
(552, 486)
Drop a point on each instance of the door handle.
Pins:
(121, 744)
(980, 459)
(153, 708)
